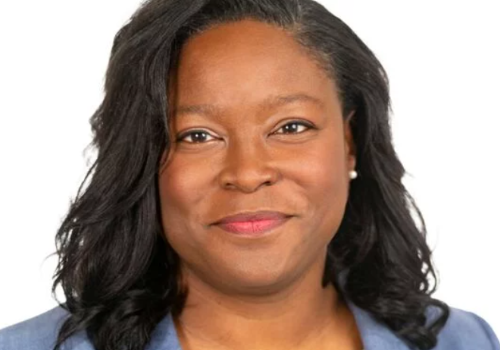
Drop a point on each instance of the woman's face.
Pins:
(246, 156)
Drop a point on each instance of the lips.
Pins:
(253, 216)
(254, 223)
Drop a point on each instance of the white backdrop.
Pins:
(442, 58)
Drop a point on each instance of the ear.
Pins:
(350, 146)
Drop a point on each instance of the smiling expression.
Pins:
(258, 126)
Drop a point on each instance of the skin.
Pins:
(260, 293)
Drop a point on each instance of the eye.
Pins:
(197, 136)
(293, 126)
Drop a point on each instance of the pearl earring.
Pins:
(353, 174)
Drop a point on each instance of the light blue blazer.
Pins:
(463, 331)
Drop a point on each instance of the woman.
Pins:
(211, 223)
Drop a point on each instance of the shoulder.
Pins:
(40, 333)
(466, 330)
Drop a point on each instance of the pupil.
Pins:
(290, 127)
(194, 136)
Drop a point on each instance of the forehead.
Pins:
(247, 61)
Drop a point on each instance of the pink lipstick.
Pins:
(252, 224)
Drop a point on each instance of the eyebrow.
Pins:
(269, 103)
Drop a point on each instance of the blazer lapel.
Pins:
(374, 334)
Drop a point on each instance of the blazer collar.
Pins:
(374, 334)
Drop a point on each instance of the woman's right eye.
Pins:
(197, 136)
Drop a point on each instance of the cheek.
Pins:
(322, 178)
(179, 197)
(322, 169)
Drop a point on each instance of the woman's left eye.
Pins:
(293, 126)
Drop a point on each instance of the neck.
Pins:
(302, 316)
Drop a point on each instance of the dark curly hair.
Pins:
(118, 272)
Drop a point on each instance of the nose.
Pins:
(248, 165)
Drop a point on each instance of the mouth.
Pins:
(253, 224)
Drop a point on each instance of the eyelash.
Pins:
(184, 135)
